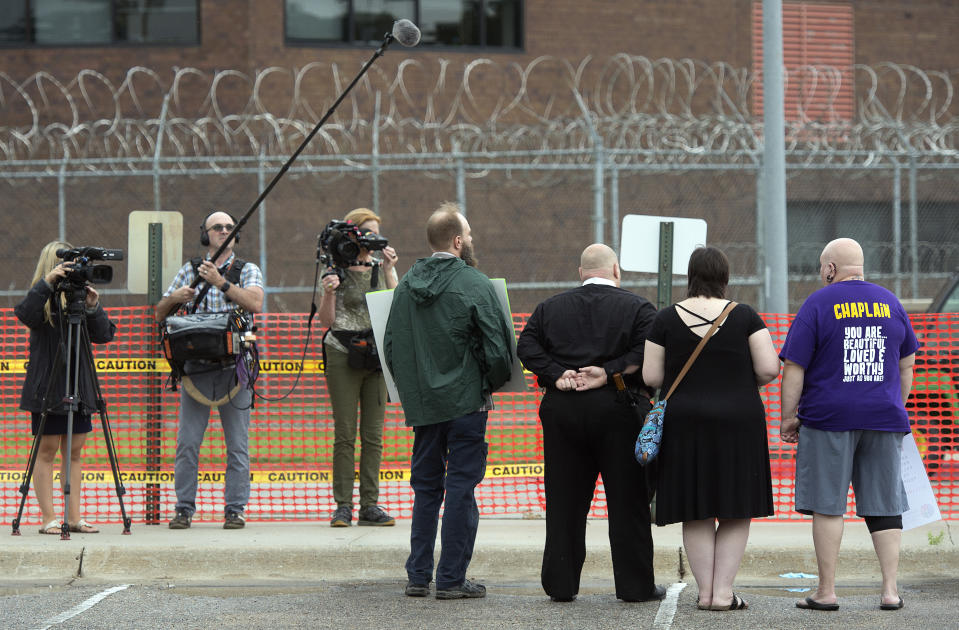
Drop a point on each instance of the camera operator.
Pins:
(343, 309)
(44, 312)
(209, 384)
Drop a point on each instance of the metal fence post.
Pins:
(460, 178)
(153, 436)
(913, 226)
(62, 198)
(762, 271)
(614, 207)
(897, 227)
(774, 161)
(664, 285)
(599, 161)
(158, 152)
(599, 190)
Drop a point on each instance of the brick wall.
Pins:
(249, 35)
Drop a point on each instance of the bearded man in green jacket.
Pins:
(447, 344)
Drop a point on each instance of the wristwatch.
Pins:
(225, 287)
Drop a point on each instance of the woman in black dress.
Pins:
(714, 459)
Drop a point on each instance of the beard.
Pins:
(468, 255)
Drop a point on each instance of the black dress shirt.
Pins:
(594, 324)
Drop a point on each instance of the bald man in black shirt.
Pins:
(575, 343)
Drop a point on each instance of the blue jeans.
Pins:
(450, 458)
(194, 417)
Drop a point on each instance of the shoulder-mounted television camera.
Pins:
(340, 243)
(83, 272)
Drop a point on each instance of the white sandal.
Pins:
(79, 525)
(54, 524)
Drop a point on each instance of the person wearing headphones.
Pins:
(226, 282)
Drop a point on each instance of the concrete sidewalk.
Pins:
(507, 550)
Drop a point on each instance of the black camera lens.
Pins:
(347, 250)
(99, 274)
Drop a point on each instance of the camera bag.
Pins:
(199, 337)
(361, 348)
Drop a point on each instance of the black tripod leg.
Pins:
(35, 448)
(28, 474)
(65, 479)
(114, 466)
(107, 433)
(72, 402)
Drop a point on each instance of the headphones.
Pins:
(204, 235)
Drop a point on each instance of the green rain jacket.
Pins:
(447, 341)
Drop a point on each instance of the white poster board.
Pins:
(639, 247)
(379, 304)
(138, 235)
(922, 501)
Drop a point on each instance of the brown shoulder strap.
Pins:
(699, 348)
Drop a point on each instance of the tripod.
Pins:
(72, 352)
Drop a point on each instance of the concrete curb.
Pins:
(506, 551)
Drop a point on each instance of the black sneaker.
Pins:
(234, 520)
(466, 589)
(417, 590)
(182, 520)
(342, 517)
(374, 515)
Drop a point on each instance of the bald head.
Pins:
(599, 261)
(841, 259)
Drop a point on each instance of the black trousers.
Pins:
(587, 434)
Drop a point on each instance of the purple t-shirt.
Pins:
(849, 337)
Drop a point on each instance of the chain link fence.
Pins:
(529, 229)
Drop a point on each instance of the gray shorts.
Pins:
(826, 462)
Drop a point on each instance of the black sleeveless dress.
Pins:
(714, 458)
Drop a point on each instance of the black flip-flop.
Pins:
(895, 606)
(738, 603)
(810, 604)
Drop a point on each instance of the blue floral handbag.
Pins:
(651, 435)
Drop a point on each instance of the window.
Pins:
(85, 22)
(818, 56)
(812, 224)
(467, 23)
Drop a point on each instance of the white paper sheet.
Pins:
(922, 502)
(380, 302)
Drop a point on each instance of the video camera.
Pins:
(340, 242)
(83, 272)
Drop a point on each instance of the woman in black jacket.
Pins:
(44, 312)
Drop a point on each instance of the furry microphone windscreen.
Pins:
(406, 33)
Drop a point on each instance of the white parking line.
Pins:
(667, 609)
(83, 606)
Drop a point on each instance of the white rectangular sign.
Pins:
(639, 248)
(380, 302)
(922, 501)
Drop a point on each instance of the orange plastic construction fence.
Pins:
(291, 431)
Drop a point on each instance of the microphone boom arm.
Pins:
(387, 40)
